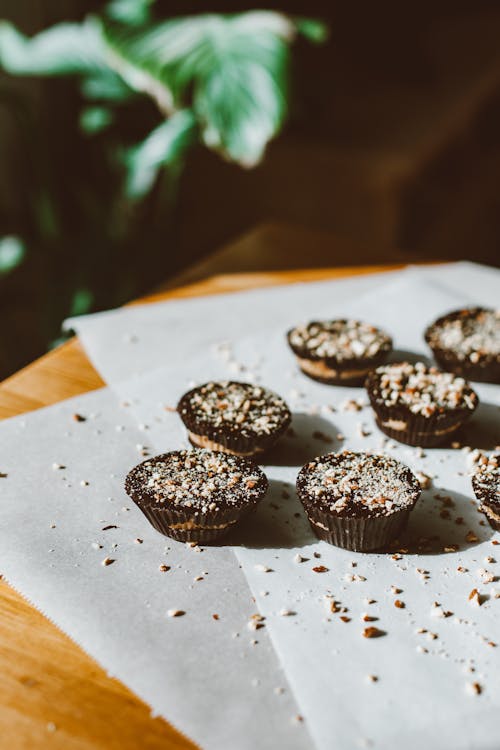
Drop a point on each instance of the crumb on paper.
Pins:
(373, 632)
(424, 479)
(475, 598)
(474, 688)
(300, 558)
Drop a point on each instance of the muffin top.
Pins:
(486, 480)
(339, 340)
(202, 480)
(243, 408)
(423, 390)
(358, 484)
(471, 334)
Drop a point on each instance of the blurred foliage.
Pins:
(150, 90)
(12, 252)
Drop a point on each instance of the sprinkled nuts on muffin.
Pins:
(196, 495)
(358, 501)
(467, 342)
(419, 405)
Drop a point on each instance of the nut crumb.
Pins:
(474, 688)
(300, 559)
(475, 598)
(372, 632)
(263, 568)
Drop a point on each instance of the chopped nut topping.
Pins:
(339, 340)
(423, 390)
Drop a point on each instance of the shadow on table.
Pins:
(278, 523)
(404, 355)
(443, 523)
(308, 437)
(483, 430)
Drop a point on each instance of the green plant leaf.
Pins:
(231, 70)
(82, 302)
(63, 49)
(165, 145)
(93, 120)
(106, 85)
(134, 12)
(12, 252)
(312, 29)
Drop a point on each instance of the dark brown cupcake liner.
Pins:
(356, 381)
(419, 435)
(486, 371)
(492, 514)
(357, 534)
(164, 519)
(231, 442)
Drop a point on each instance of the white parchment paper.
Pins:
(421, 694)
(423, 691)
(137, 339)
(57, 525)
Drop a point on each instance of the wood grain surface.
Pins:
(51, 693)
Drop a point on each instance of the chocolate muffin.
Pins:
(419, 405)
(467, 342)
(196, 495)
(486, 486)
(233, 417)
(339, 352)
(358, 501)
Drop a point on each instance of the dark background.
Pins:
(393, 142)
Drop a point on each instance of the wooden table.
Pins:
(51, 693)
